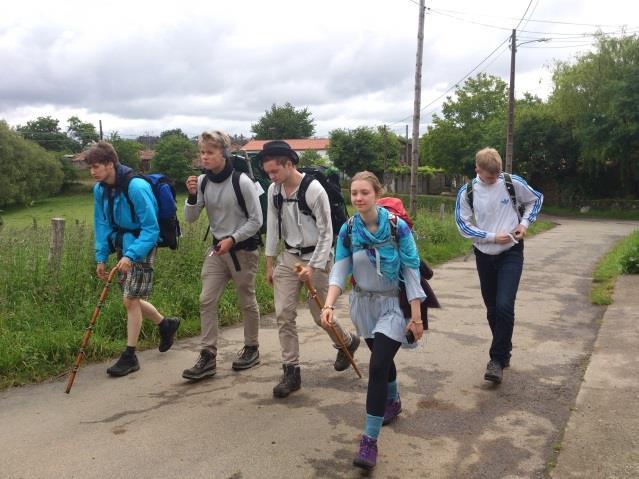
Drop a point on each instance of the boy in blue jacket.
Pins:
(134, 240)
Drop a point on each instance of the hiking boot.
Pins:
(392, 410)
(204, 367)
(291, 381)
(341, 362)
(367, 454)
(248, 357)
(168, 327)
(507, 363)
(494, 371)
(127, 363)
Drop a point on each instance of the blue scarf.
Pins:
(380, 243)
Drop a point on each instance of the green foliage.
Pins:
(45, 131)
(284, 122)
(27, 171)
(313, 158)
(610, 266)
(629, 262)
(173, 132)
(128, 150)
(81, 132)
(473, 119)
(363, 149)
(597, 97)
(425, 170)
(174, 157)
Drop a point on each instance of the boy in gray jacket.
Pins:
(232, 205)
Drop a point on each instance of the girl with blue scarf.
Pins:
(377, 263)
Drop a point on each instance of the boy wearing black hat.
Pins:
(307, 240)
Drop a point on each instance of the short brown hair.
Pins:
(102, 152)
(488, 159)
(372, 179)
(279, 159)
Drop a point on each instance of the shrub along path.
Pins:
(153, 424)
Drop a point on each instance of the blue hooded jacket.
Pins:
(146, 217)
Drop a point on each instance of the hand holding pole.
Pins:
(312, 292)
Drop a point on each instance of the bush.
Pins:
(629, 262)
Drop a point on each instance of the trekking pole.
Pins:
(312, 292)
(89, 330)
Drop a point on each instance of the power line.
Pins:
(524, 15)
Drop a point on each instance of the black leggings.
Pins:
(381, 371)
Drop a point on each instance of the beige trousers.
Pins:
(217, 271)
(287, 285)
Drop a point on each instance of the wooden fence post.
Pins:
(442, 210)
(57, 242)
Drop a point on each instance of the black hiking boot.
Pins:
(126, 364)
(204, 367)
(341, 362)
(291, 381)
(494, 371)
(168, 327)
(248, 357)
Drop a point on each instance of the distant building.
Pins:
(145, 159)
(320, 145)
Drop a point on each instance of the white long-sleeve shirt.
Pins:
(494, 212)
(300, 230)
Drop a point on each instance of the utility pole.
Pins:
(407, 156)
(385, 148)
(416, 110)
(101, 136)
(511, 105)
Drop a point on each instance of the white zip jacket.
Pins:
(494, 212)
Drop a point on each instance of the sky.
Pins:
(142, 67)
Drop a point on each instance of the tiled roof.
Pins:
(298, 145)
(147, 154)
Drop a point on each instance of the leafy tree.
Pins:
(174, 157)
(27, 171)
(173, 132)
(356, 150)
(128, 150)
(239, 139)
(45, 131)
(598, 97)
(475, 118)
(149, 141)
(81, 132)
(313, 158)
(284, 122)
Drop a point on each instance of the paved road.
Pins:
(152, 424)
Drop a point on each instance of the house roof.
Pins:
(298, 145)
(147, 154)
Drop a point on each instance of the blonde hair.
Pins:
(488, 159)
(217, 137)
(372, 179)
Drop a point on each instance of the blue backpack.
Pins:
(164, 191)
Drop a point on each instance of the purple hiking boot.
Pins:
(367, 455)
(392, 410)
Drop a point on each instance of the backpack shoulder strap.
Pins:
(392, 219)
(349, 233)
(125, 191)
(508, 180)
(235, 181)
(301, 194)
(205, 181)
(469, 194)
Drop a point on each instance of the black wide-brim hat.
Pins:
(278, 148)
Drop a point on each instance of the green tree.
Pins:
(27, 171)
(173, 132)
(313, 158)
(174, 157)
(356, 150)
(81, 132)
(598, 97)
(128, 150)
(473, 119)
(45, 131)
(284, 122)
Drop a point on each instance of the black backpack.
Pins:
(339, 214)
(508, 181)
(163, 189)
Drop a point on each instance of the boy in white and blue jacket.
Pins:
(497, 233)
(131, 231)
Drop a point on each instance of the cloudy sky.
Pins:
(147, 66)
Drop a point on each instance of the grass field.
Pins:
(609, 267)
(43, 312)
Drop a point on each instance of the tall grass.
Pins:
(43, 312)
